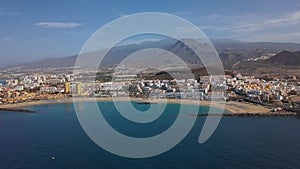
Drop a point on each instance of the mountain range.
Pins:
(233, 54)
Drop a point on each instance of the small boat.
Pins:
(144, 103)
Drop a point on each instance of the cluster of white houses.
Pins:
(207, 88)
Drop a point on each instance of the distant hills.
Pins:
(61, 62)
(233, 54)
(286, 58)
(232, 51)
(285, 63)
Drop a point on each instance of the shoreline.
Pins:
(234, 108)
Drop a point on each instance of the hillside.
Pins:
(231, 52)
(286, 58)
(283, 64)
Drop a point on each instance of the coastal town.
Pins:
(274, 94)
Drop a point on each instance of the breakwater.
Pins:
(17, 110)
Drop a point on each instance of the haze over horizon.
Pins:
(33, 30)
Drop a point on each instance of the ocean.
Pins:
(30, 140)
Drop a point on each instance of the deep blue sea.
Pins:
(29, 141)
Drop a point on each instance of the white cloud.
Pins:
(185, 29)
(210, 17)
(57, 24)
(252, 27)
(118, 12)
(261, 23)
(8, 38)
(184, 13)
(9, 13)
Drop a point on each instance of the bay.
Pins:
(29, 141)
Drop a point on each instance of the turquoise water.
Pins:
(29, 141)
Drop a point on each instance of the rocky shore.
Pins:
(258, 114)
(17, 110)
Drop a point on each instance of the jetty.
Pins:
(17, 110)
(146, 102)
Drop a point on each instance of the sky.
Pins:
(33, 30)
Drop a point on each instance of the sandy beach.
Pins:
(233, 107)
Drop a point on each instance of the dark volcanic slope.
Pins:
(285, 58)
(285, 63)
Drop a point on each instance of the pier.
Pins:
(17, 110)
